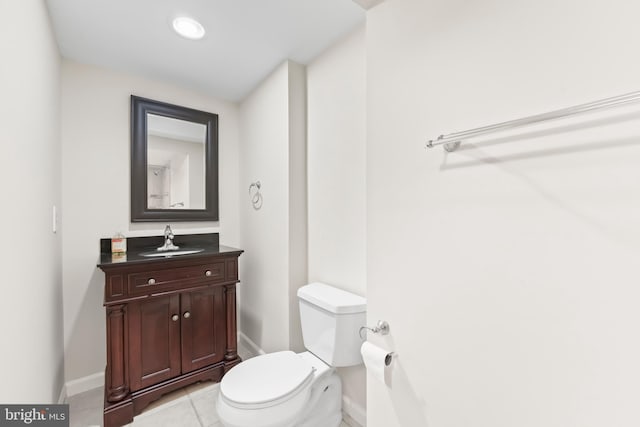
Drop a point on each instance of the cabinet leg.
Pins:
(119, 414)
(231, 352)
(116, 384)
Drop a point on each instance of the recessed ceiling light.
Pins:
(188, 28)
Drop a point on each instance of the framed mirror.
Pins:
(174, 163)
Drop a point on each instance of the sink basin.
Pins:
(171, 253)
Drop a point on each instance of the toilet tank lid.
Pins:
(332, 299)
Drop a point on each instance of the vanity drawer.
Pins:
(153, 281)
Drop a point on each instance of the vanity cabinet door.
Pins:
(154, 340)
(203, 327)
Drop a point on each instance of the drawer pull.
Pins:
(187, 314)
(175, 317)
(207, 273)
(151, 281)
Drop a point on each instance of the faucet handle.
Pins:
(168, 240)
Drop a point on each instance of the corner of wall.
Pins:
(298, 259)
(273, 149)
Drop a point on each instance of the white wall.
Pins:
(336, 179)
(274, 237)
(507, 270)
(31, 361)
(96, 182)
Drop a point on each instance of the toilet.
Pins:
(287, 389)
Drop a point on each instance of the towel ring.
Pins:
(256, 198)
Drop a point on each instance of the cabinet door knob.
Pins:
(207, 273)
(151, 281)
(175, 317)
(187, 314)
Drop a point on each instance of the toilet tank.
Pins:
(331, 319)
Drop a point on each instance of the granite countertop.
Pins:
(137, 245)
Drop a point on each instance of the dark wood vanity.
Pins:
(170, 322)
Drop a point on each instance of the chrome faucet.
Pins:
(168, 240)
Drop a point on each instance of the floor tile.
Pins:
(204, 402)
(85, 409)
(195, 388)
(167, 400)
(171, 414)
(193, 406)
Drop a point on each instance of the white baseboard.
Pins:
(90, 382)
(63, 395)
(354, 414)
(249, 345)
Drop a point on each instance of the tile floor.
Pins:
(193, 406)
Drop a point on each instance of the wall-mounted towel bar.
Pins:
(452, 141)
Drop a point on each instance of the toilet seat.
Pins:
(274, 378)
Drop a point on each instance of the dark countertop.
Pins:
(138, 245)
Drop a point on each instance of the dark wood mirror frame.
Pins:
(140, 107)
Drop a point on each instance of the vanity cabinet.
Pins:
(175, 334)
(170, 323)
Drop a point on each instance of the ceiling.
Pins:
(245, 39)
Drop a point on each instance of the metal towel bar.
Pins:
(452, 141)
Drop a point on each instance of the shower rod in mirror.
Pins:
(452, 141)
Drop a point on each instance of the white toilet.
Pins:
(286, 389)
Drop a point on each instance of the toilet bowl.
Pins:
(287, 389)
(282, 389)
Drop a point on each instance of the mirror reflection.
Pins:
(175, 163)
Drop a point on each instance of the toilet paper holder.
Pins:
(382, 328)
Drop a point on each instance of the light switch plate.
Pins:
(55, 220)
